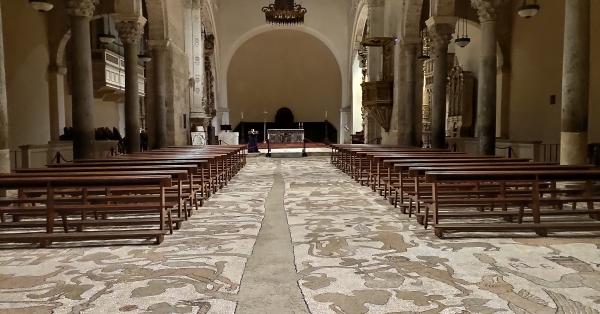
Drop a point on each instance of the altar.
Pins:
(285, 135)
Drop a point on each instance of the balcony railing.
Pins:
(109, 73)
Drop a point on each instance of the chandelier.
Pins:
(284, 12)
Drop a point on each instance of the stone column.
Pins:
(80, 12)
(440, 33)
(345, 136)
(406, 87)
(130, 32)
(4, 139)
(486, 94)
(159, 63)
(56, 85)
(575, 83)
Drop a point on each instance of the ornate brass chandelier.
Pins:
(284, 12)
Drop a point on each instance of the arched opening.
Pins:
(284, 68)
(357, 75)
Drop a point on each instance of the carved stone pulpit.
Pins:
(378, 98)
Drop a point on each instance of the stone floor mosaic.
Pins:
(356, 254)
(353, 253)
(198, 269)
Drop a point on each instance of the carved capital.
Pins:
(487, 9)
(440, 35)
(131, 29)
(84, 8)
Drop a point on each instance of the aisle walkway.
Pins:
(331, 247)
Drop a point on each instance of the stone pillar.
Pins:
(486, 94)
(345, 136)
(4, 139)
(80, 12)
(130, 32)
(159, 64)
(56, 85)
(407, 99)
(440, 33)
(575, 83)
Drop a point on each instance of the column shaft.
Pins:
(407, 110)
(575, 84)
(440, 33)
(4, 139)
(486, 102)
(82, 88)
(160, 95)
(132, 98)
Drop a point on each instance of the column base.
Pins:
(573, 148)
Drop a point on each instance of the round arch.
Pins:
(226, 57)
(267, 28)
(314, 69)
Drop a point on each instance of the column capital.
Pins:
(83, 8)
(440, 34)
(130, 28)
(487, 9)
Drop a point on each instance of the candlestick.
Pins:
(242, 115)
(325, 114)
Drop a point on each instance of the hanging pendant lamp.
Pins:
(284, 12)
(41, 6)
(528, 10)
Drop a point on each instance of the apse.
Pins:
(284, 68)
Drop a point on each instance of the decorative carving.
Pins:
(378, 96)
(209, 77)
(461, 97)
(209, 44)
(131, 30)
(378, 101)
(84, 8)
(487, 9)
(440, 35)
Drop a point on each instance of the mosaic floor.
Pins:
(353, 253)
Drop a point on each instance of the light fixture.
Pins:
(106, 38)
(144, 56)
(284, 12)
(41, 6)
(462, 38)
(528, 10)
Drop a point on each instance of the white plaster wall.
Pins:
(26, 64)
(237, 21)
(356, 96)
(284, 68)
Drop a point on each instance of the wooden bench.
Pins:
(52, 206)
(540, 203)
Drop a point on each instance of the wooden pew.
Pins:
(52, 206)
(540, 203)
